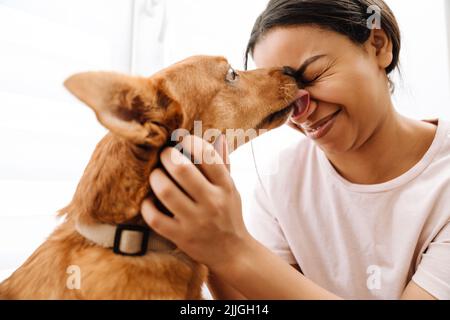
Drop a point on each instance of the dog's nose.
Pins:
(291, 72)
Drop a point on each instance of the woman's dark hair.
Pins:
(347, 17)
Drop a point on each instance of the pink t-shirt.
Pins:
(359, 241)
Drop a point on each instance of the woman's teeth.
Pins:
(314, 130)
(322, 127)
(320, 124)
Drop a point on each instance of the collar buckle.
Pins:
(131, 240)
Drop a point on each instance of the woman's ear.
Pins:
(381, 45)
(131, 107)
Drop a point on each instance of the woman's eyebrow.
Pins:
(307, 62)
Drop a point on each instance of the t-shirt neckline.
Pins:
(412, 173)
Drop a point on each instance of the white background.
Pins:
(46, 137)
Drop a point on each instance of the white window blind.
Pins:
(46, 136)
(447, 12)
(150, 20)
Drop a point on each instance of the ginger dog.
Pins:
(140, 114)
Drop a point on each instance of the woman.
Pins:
(359, 210)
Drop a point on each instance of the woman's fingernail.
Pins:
(179, 158)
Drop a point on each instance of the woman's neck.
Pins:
(395, 147)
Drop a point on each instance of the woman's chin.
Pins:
(335, 141)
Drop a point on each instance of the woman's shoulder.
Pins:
(442, 142)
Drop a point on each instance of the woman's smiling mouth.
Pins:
(320, 128)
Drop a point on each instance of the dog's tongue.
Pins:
(300, 105)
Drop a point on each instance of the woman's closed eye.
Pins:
(310, 79)
(313, 75)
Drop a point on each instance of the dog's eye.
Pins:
(232, 75)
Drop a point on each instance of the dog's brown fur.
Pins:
(141, 113)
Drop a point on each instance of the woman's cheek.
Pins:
(332, 90)
(348, 92)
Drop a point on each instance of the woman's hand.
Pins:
(207, 223)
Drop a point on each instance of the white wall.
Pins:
(424, 91)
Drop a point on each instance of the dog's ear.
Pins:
(132, 107)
